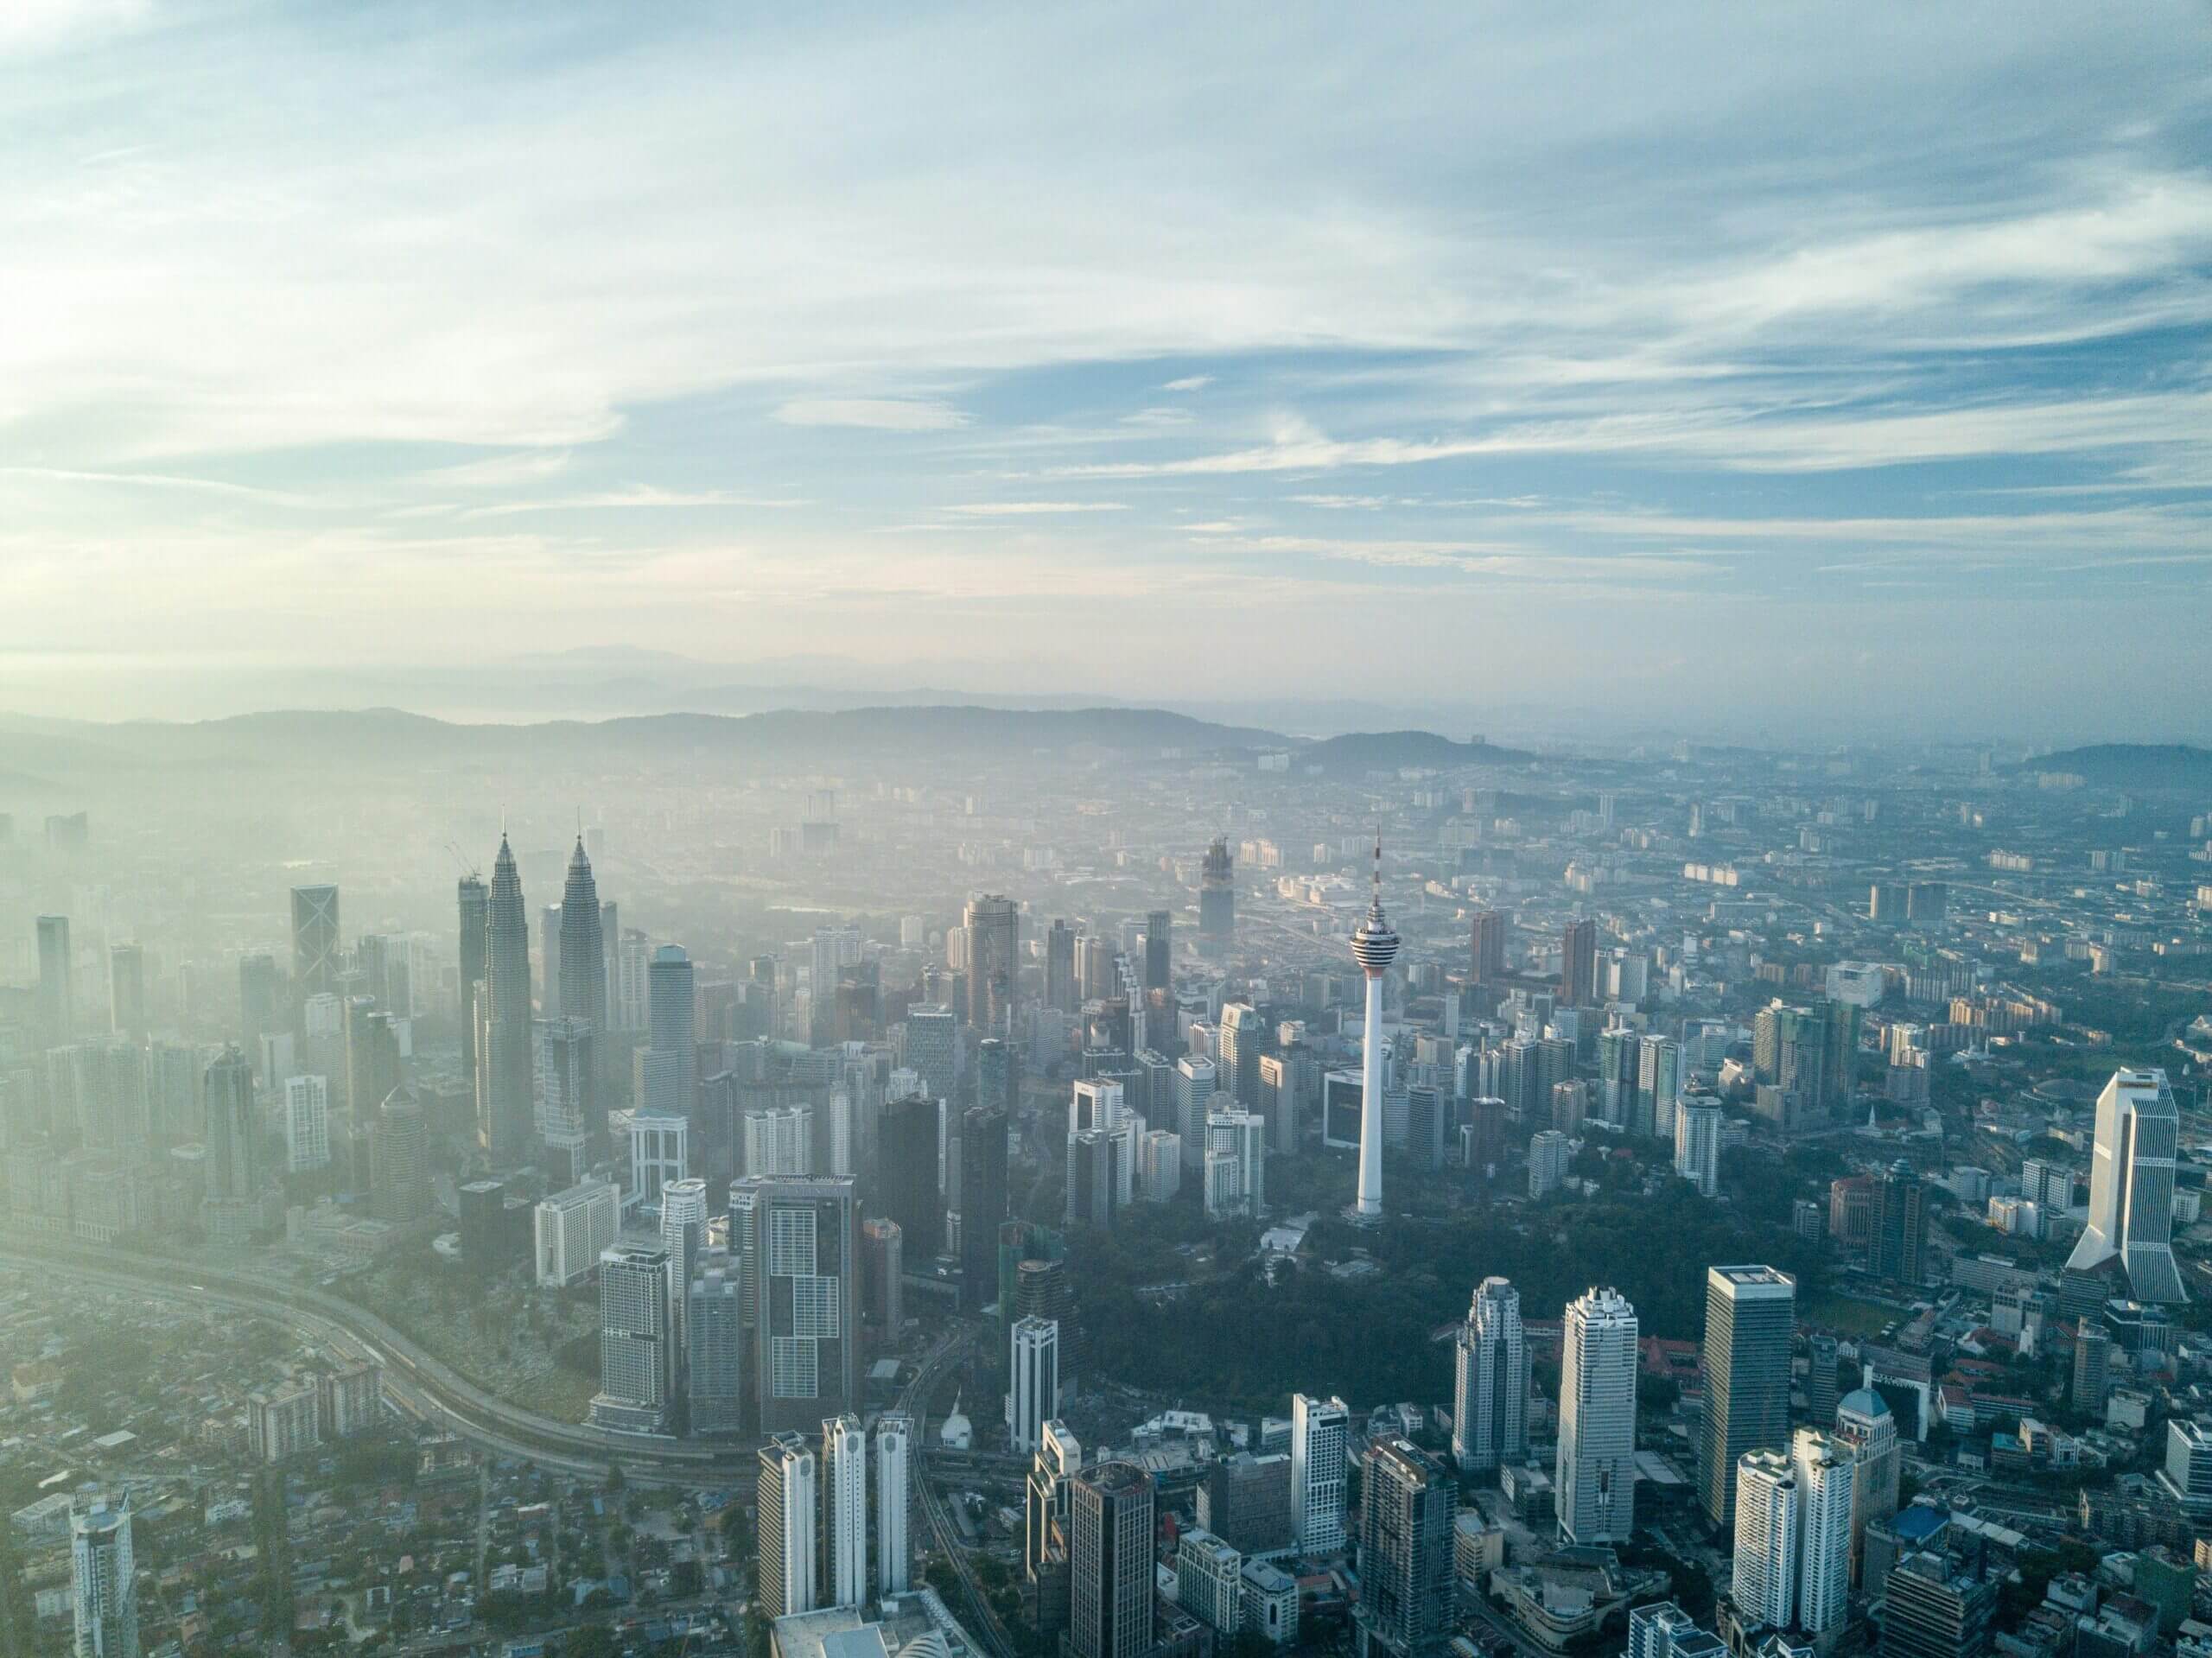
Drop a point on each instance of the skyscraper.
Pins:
(315, 944)
(787, 1499)
(683, 1236)
(2132, 1186)
(1319, 1430)
(1241, 1039)
(993, 961)
(982, 1202)
(473, 903)
(637, 1378)
(126, 991)
(714, 1347)
(1826, 1472)
(843, 1572)
(1697, 1142)
(1373, 946)
(1217, 902)
(906, 1176)
(1406, 1504)
(307, 1123)
(233, 1174)
(1489, 1393)
(504, 1094)
(1578, 962)
(1765, 1585)
(581, 968)
(800, 1243)
(258, 1003)
(1864, 1425)
(672, 1063)
(1159, 949)
(1059, 967)
(102, 1585)
(399, 1159)
(570, 1126)
(1594, 1479)
(57, 995)
(894, 1434)
(1750, 1317)
(1486, 934)
(1033, 1380)
(1899, 1241)
(1110, 1561)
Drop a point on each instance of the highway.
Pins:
(414, 1381)
(945, 1535)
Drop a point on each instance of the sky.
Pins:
(1843, 363)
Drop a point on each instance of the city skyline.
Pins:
(1615, 348)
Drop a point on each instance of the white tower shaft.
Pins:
(1371, 1106)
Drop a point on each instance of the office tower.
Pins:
(671, 1062)
(1319, 1429)
(1595, 1474)
(126, 991)
(683, 1236)
(1373, 946)
(475, 905)
(549, 959)
(1236, 1163)
(1033, 1387)
(372, 1049)
(1765, 1585)
(102, 1584)
(570, 1128)
(233, 1171)
(307, 1124)
(2092, 1367)
(2132, 1186)
(1658, 1085)
(1697, 1142)
(1750, 1317)
(998, 1079)
(629, 1009)
(1042, 1290)
(882, 1262)
(1059, 967)
(1278, 1103)
(1486, 934)
(1217, 902)
(1406, 1504)
(1899, 1244)
(1242, 1035)
(993, 961)
(1159, 949)
(258, 1002)
(1865, 1428)
(1819, 1377)
(1935, 1606)
(1110, 1561)
(800, 1243)
(1093, 1176)
(315, 947)
(636, 1352)
(1208, 1580)
(660, 1150)
(785, 1500)
(57, 1015)
(399, 1159)
(932, 1049)
(842, 1572)
(1578, 962)
(1547, 1162)
(570, 1230)
(1663, 1630)
(1045, 1516)
(982, 1202)
(579, 971)
(894, 1435)
(1825, 1471)
(1490, 1391)
(906, 1176)
(714, 1346)
(503, 1066)
(1245, 1501)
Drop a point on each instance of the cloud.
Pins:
(160, 481)
(638, 495)
(498, 471)
(1030, 509)
(1188, 383)
(881, 414)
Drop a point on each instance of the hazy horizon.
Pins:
(1685, 367)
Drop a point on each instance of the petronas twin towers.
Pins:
(500, 1000)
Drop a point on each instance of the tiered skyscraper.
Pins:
(582, 966)
(1489, 1394)
(1594, 1479)
(1373, 946)
(2132, 1186)
(504, 1108)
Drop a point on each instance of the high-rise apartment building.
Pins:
(1110, 1524)
(637, 1352)
(787, 1499)
(505, 1066)
(1594, 1478)
(1547, 1162)
(842, 1574)
(1751, 1318)
(1697, 1142)
(103, 1581)
(1319, 1432)
(1236, 1163)
(1490, 1392)
(307, 1124)
(894, 1437)
(798, 1241)
(1406, 1498)
(1826, 1470)
(1765, 1585)
(571, 1229)
(2132, 1186)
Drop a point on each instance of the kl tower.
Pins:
(1375, 946)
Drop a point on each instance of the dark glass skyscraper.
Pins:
(1578, 963)
(1159, 949)
(1217, 901)
(315, 941)
(475, 909)
(994, 941)
(982, 1201)
(906, 1188)
(504, 1119)
(1751, 1316)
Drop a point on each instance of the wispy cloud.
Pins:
(1033, 509)
(636, 495)
(157, 480)
(879, 414)
(1188, 383)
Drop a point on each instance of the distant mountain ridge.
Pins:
(2130, 765)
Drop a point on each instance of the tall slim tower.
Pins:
(505, 1117)
(473, 902)
(1110, 1515)
(894, 1435)
(1159, 949)
(57, 1017)
(2132, 1186)
(1489, 1394)
(1486, 946)
(1751, 1314)
(315, 941)
(994, 937)
(843, 1575)
(1595, 1478)
(787, 1499)
(126, 991)
(672, 1050)
(1373, 946)
(1405, 1550)
(1217, 901)
(1826, 1471)
(103, 1588)
(1319, 1432)
(1765, 1585)
(581, 971)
